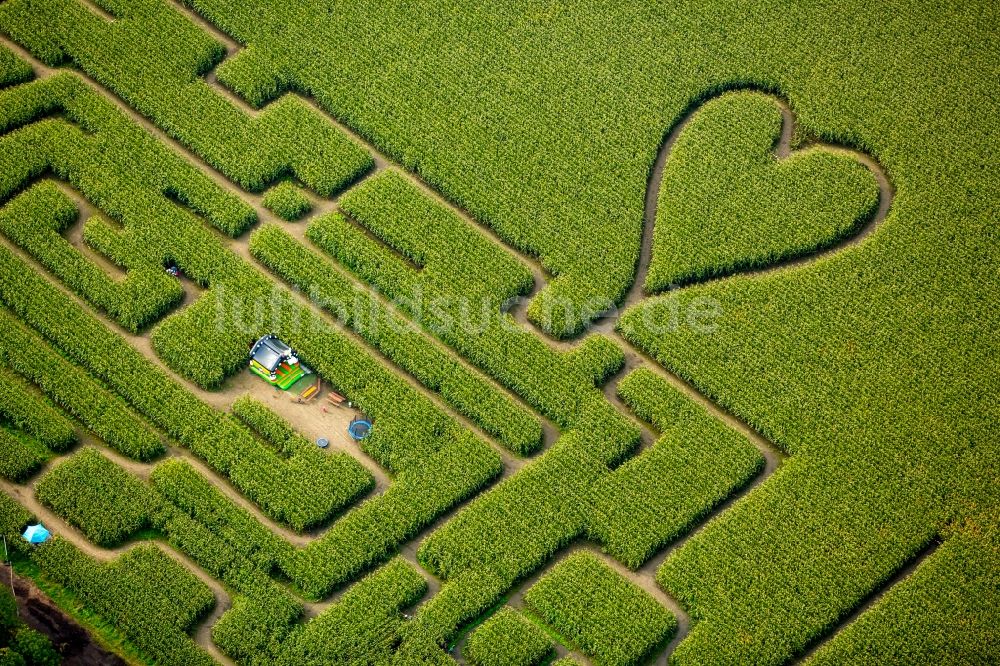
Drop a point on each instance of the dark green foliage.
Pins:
(97, 132)
(483, 277)
(370, 534)
(8, 614)
(409, 428)
(286, 201)
(338, 477)
(8, 657)
(427, 234)
(194, 496)
(256, 628)
(100, 498)
(282, 487)
(21, 644)
(13, 519)
(507, 639)
(946, 611)
(20, 455)
(12, 69)
(612, 620)
(506, 534)
(543, 123)
(35, 648)
(35, 221)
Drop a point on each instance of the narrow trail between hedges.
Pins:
(782, 150)
(201, 632)
(242, 383)
(240, 245)
(634, 358)
(872, 598)
(221, 398)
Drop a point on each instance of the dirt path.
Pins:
(312, 423)
(309, 423)
(25, 496)
(637, 358)
(313, 420)
(517, 308)
(510, 462)
(97, 11)
(222, 398)
(782, 150)
(298, 231)
(202, 634)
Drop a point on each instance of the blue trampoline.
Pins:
(359, 428)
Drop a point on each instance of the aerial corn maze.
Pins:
(499, 333)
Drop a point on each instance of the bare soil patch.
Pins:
(40, 613)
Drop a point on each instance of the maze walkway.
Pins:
(556, 425)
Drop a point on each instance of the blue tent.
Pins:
(36, 534)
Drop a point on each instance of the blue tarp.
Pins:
(36, 534)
